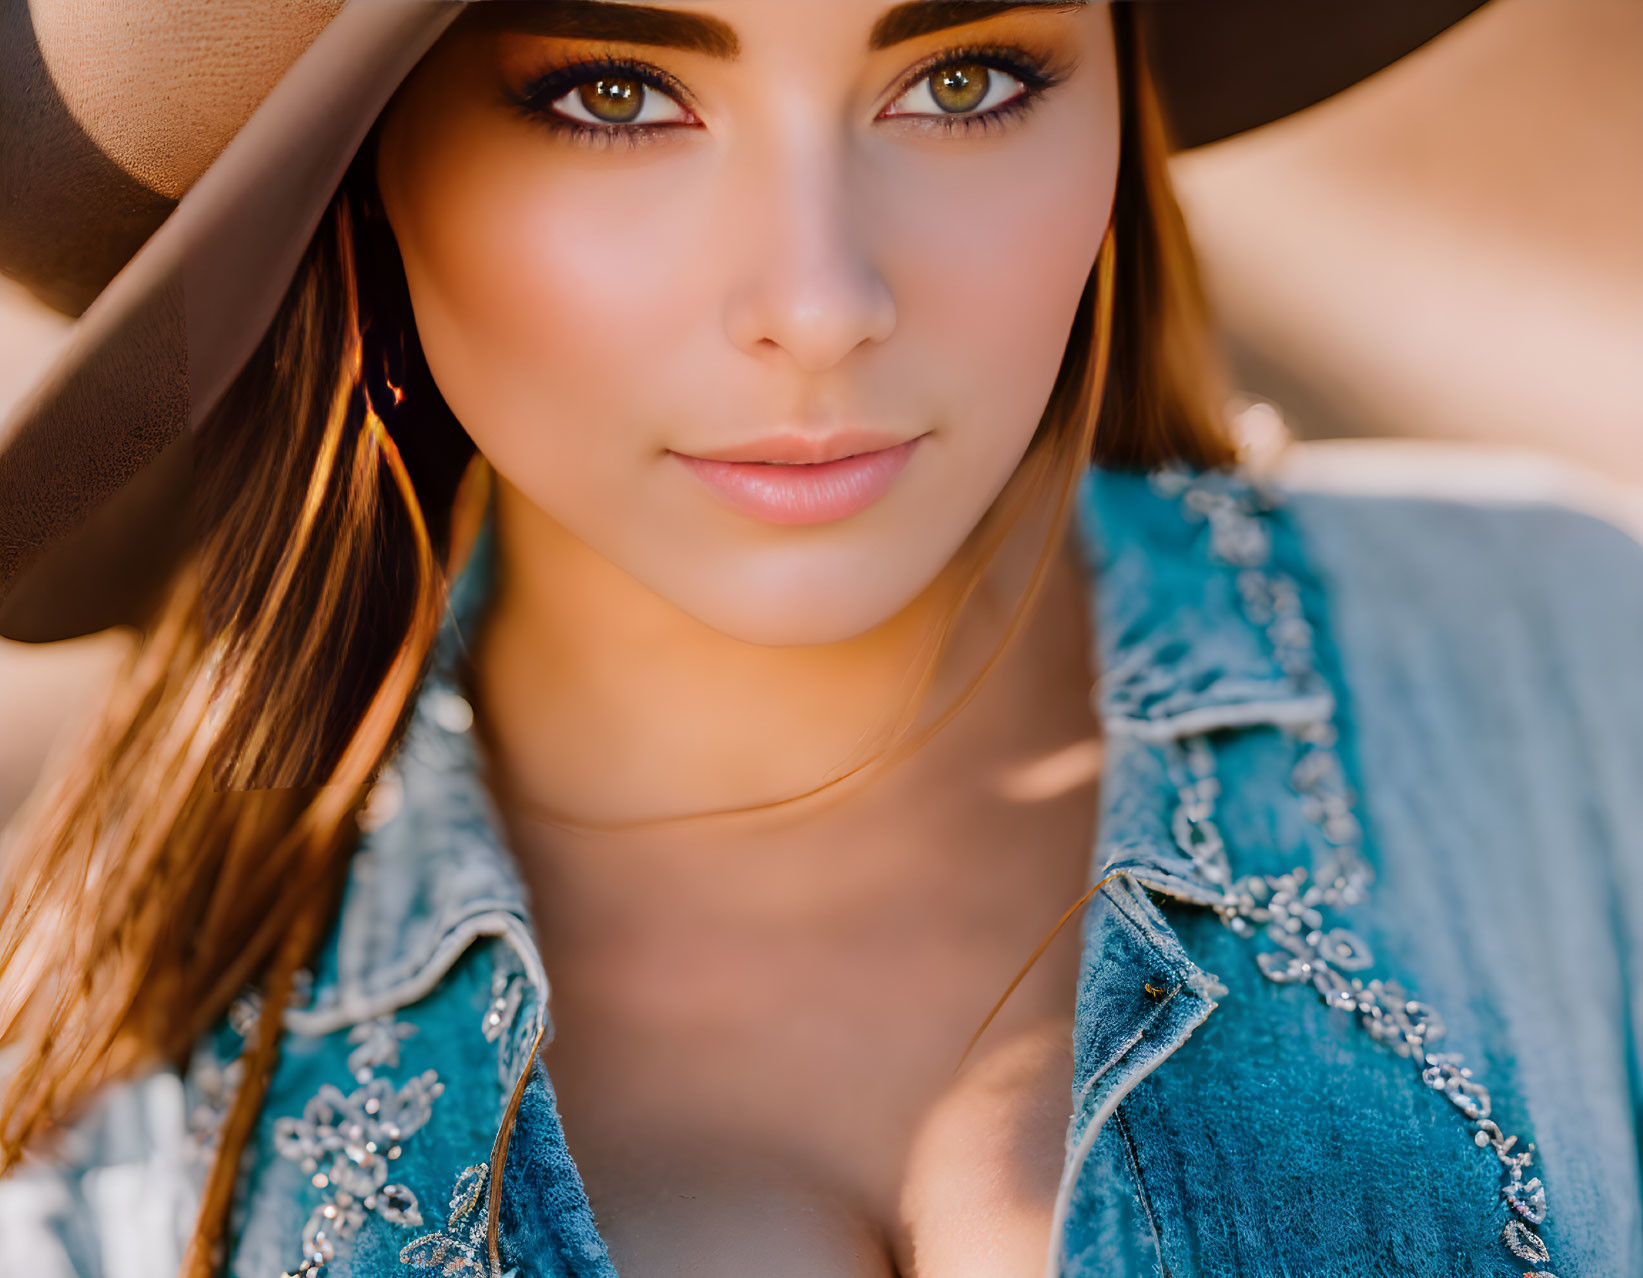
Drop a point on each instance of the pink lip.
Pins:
(791, 447)
(800, 492)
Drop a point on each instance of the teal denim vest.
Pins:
(1361, 993)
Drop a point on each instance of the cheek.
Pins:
(993, 271)
(539, 293)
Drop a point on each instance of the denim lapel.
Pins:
(1186, 641)
(1199, 628)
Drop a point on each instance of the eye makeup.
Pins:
(536, 98)
(1036, 74)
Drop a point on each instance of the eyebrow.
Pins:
(626, 23)
(619, 23)
(916, 18)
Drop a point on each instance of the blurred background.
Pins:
(1451, 250)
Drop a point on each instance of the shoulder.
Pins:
(1479, 486)
(1451, 526)
(1480, 594)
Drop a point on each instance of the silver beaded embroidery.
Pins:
(376, 1043)
(461, 1247)
(507, 991)
(217, 1083)
(244, 1012)
(1287, 909)
(214, 1081)
(346, 1144)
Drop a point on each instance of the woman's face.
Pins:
(766, 234)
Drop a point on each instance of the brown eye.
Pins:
(613, 101)
(968, 88)
(961, 87)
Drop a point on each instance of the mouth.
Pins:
(837, 479)
(803, 450)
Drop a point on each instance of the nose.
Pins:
(808, 286)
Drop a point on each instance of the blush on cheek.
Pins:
(991, 291)
(547, 291)
(992, 254)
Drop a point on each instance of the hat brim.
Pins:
(94, 463)
(1227, 66)
(82, 546)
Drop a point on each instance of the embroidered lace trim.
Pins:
(346, 1143)
(1288, 910)
(460, 1247)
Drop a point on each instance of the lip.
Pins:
(778, 491)
(803, 449)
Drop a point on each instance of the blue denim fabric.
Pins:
(1435, 707)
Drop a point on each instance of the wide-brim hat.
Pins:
(162, 174)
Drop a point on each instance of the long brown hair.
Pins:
(197, 840)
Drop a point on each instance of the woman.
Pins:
(759, 718)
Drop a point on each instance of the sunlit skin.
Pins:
(794, 245)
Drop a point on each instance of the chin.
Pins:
(799, 609)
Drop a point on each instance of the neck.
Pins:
(605, 706)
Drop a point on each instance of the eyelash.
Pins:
(536, 98)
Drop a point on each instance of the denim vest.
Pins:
(1361, 992)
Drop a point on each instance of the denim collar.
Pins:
(1186, 642)
(1188, 637)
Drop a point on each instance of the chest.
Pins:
(754, 1050)
(783, 1100)
(893, 1170)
